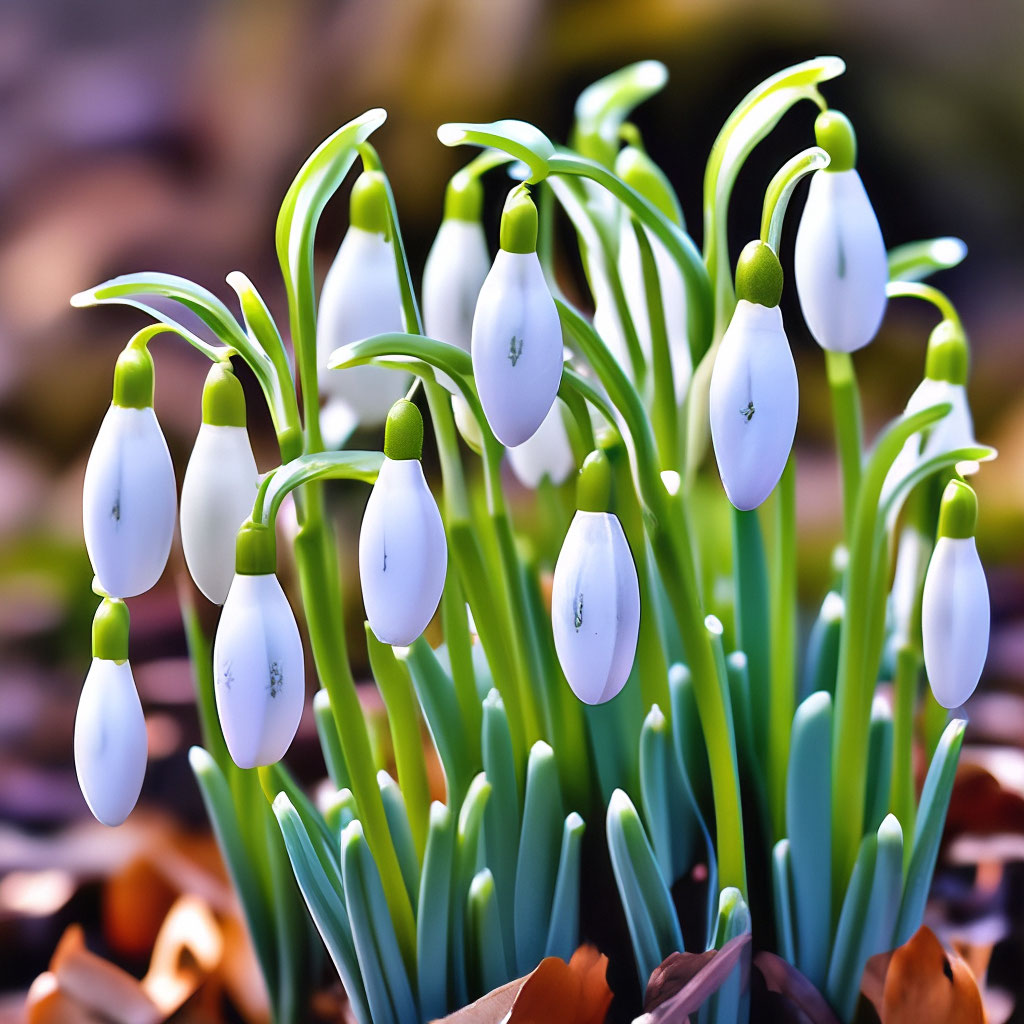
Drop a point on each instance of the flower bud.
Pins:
(840, 260)
(548, 453)
(220, 486)
(595, 595)
(259, 678)
(360, 298)
(129, 498)
(403, 555)
(517, 337)
(955, 604)
(110, 729)
(754, 396)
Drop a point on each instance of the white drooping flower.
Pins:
(219, 488)
(955, 614)
(403, 554)
(517, 337)
(754, 400)
(595, 595)
(259, 678)
(129, 498)
(840, 261)
(360, 298)
(548, 453)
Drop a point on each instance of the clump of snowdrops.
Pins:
(657, 705)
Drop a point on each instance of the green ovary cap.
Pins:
(958, 513)
(110, 630)
(255, 550)
(643, 175)
(759, 275)
(368, 203)
(519, 222)
(134, 378)
(223, 398)
(403, 432)
(836, 136)
(948, 356)
(594, 484)
(463, 198)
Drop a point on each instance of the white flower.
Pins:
(547, 453)
(110, 741)
(129, 501)
(595, 607)
(403, 555)
(753, 403)
(259, 678)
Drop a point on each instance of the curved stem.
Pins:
(780, 191)
(925, 292)
(915, 261)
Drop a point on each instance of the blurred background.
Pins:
(163, 136)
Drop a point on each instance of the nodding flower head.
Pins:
(517, 337)
(220, 485)
(595, 595)
(955, 604)
(129, 498)
(360, 298)
(403, 555)
(259, 678)
(110, 730)
(546, 454)
(840, 260)
(754, 396)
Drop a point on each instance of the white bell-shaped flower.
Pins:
(840, 261)
(517, 337)
(546, 454)
(754, 396)
(955, 613)
(259, 677)
(403, 555)
(220, 486)
(595, 595)
(110, 729)
(360, 298)
(129, 498)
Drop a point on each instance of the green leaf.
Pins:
(917, 260)
(822, 657)
(334, 757)
(564, 930)
(519, 139)
(339, 810)
(401, 834)
(782, 894)
(486, 945)
(467, 853)
(432, 914)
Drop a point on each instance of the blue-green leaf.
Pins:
(732, 1000)
(327, 731)
(782, 900)
(401, 833)
(879, 780)
(564, 930)
(487, 950)
(822, 659)
(467, 856)
(432, 914)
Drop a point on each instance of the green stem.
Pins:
(902, 794)
(842, 381)
(925, 292)
(780, 191)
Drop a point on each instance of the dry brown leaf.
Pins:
(675, 971)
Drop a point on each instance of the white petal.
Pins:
(360, 298)
(547, 453)
(129, 501)
(840, 262)
(910, 556)
(216, 497)
(403, 555)
(595, 607)
(955, 620)
(517, 347)
(259, 678)
(456, 268)
(754, 403)
(110, 741)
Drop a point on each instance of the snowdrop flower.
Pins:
(129, 499)
(595, 596)
(360, 298)
(219, 487)
(259, 678)
(517, 337)
(754, 397)
(110, 730)
(955, 605)
(403, 555)
(548, 453)
(840, 260)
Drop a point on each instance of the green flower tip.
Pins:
(759, 275)
(948, 356)
(403, 432)
(368, 203)
(464, 198)
(836, 136)
(594, 484)
(643, 175)
(958, 513)
(134, 378)
(519, 222)
(110, 630)
(223, 398)
(255, 550)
